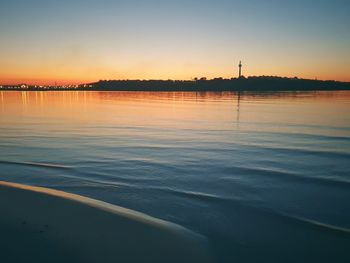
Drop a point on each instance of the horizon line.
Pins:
(74, 83)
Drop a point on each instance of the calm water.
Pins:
(265, 177)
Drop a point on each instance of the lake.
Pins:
(264, 176)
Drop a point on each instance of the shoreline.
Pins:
(213, 85)
(179, 90)
(75, 228)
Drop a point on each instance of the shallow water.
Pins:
(264, 176)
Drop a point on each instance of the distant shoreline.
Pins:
(218, 84)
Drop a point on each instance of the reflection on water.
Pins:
(265, 176)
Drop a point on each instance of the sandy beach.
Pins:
(44, 225)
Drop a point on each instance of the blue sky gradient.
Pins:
(78, 41)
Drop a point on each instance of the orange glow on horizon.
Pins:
(71, 71)
(95, 78)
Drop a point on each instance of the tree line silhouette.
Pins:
(260, 83)
(219, 84)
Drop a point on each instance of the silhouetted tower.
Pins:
(240, 69)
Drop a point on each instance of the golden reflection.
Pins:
(193, 110)
(2, 101)
(238, 105)
(25, 98)
(86, 97)
(41, 98)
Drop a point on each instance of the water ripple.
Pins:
(37, 164)
(315, 223)
(238, 170)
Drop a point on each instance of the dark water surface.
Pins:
(264, 176)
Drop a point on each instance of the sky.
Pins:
(76, 41)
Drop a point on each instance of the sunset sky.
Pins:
(75, 41)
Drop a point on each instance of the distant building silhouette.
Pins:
(240, 69)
